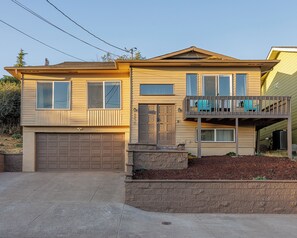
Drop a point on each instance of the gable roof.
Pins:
(273, 55)
(275, 50)
(192, 53)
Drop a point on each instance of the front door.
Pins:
(157, 124)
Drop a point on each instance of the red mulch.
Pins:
(225, 167)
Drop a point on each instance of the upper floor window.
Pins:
(240, 84)
(104, 95)
(192, 89)
(156, 89)
(53, 95)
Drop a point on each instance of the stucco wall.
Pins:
(197, 196)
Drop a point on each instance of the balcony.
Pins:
(273, 107)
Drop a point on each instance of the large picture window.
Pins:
(104, 95)
(217, 135)
(53, 95)
(156, 89)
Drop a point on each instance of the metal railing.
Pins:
(221, 106)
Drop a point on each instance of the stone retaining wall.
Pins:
(11, 162)
(159, 159)
(198, 196)
(150, 156)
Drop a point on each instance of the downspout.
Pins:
(22, 93)
(131, 98)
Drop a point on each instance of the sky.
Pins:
(244, 29)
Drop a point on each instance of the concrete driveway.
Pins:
(90, 204)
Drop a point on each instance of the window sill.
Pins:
(157, 95)
(48, 109)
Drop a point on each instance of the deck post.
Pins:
(289, 136)
(199, 137)
(258, 141)
(236, 135)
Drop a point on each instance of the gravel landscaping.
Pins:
(229, 168)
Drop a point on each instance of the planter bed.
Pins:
(218, 185)
(228, 168)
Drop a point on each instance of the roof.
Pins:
(275, 50)
(189, 57)
(193, 53)
(273, 55)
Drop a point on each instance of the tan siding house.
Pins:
(82, 116)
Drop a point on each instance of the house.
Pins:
(83, 115)
(281, 80)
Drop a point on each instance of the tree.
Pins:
(20, 59)
(136, 56)
(107, 58)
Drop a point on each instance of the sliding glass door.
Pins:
(218, 85)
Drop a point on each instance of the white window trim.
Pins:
(53, 96)
(215, 135)
(103, 85)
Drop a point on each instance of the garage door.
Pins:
(80, 151)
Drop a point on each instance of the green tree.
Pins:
(11, 79)
(10, 105)
(136, 56)
(107, 58)
(21, 59)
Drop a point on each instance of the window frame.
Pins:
(173, 89)
(53, 96)
(103, 86)
(197, 83)
(215, 135)
(217, 76)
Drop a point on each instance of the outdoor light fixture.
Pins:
(179, 109)
(134, 109)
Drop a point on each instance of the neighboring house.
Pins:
(280, 81)
(83, 115)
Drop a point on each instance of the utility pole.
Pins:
(132, 50)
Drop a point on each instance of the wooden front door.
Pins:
(157, 124)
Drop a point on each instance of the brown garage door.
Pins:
(80, 151)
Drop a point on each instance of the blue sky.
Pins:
(242, 29)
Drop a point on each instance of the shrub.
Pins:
(16, 136)
(260, 178)
(231, 153)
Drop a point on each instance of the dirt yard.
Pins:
(10, 145)
(225, 167)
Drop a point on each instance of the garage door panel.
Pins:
(80, 151)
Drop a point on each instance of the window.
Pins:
(156, 89)
(192, 89)
(53, 95)
(104, 95)
(240, 84)
(217, 135)
(240, 87)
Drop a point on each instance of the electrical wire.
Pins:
(59, 28)
(31, 37)
(86, 30)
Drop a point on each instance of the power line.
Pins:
(31, 37)
(86, 30)
(59, 28)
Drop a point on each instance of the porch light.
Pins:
(179, 109)
(134, 109)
